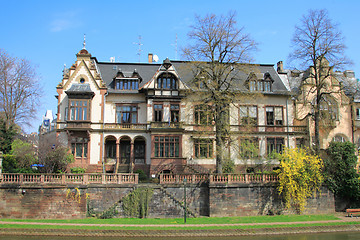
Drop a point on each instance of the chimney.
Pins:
(280, 67)
(150, 57)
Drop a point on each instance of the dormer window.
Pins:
(259, 82)
(166, 81)
(122, 82)
(126, 84)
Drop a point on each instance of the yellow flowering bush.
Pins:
(300, 177)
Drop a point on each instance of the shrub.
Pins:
(142, 175)
(340, 173)
(300, 176)
(77, 170)
(228, 166)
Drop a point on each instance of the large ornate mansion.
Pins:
(120, 117)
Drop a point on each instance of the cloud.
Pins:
(65, 21)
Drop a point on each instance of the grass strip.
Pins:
(201, 220)
(65, 227)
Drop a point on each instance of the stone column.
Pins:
(132, 157)
(117, 156)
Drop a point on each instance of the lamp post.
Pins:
(185, 210)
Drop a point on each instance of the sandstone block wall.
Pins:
(66, 202)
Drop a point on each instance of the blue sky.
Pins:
(50, 33)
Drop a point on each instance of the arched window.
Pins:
(166, 81)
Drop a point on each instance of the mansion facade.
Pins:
(120, 117)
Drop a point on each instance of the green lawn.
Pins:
(201, 220)
(22, 226)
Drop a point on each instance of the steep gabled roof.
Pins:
(147, 71)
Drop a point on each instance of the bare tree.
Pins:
(20, 90)
(217, 52)
(318, 44)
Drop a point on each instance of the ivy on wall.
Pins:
(136, 203)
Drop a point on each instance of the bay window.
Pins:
(79, 110)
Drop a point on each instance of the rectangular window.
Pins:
(166, 146)
(203, 114)
(79, 110)
(203, 148)
(248, 115)
(249, 148)
(79, 147)
(358, 114)
(274, 116)
(158, 112)
(274, 145)
(66, 115)
(252, 86)
(126, 114)
(174, 112)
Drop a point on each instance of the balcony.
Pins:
(167, 125)
(125, 126)
(78, 125)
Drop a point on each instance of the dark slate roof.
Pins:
(79, 88)
(109, 70)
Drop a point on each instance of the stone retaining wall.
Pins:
(73, 201)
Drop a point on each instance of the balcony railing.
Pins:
(85, 178)
(217, 178)
(166, 125)
(125, 126)
(78, 125)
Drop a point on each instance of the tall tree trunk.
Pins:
(317, 129)
(222, 130)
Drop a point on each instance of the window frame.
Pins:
(175, 113)
(130, 112)
(203, 145)
(81, 143)
(274, 121)
(243, 152)
(158, 113)
(75, 110)
(166, 146)
(357, 114)
(130, 83)
(278, 143)
(246, 119)
(167, 81)
(203, 115)
(261, 85)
